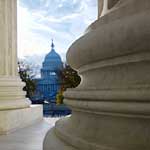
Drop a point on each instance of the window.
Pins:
(52, 73)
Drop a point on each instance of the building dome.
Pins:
(50, 82)
(52, 60)
(52, 55)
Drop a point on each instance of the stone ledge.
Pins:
(11, 120)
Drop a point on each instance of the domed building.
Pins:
(49, 84)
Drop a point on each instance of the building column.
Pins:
(11, 95)
(105, 6)
(111, 106)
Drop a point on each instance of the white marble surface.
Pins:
(30, 138)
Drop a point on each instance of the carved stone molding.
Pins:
(110, 107)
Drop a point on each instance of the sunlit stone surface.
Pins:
(29, 138)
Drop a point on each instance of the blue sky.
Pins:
(41, 20)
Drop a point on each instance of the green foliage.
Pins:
(27, 76)
(70, 77)
(59, 97)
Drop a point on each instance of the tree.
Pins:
(59, 97)
(70, 79)
(27, 75)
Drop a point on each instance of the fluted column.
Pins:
(8, 39)
(11, 94)
(111, 106)
(15, 109)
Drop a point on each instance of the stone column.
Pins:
(105, 6)
(111, 106)
(11, 95)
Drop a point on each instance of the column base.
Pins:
(11, 120)
(52, 142)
